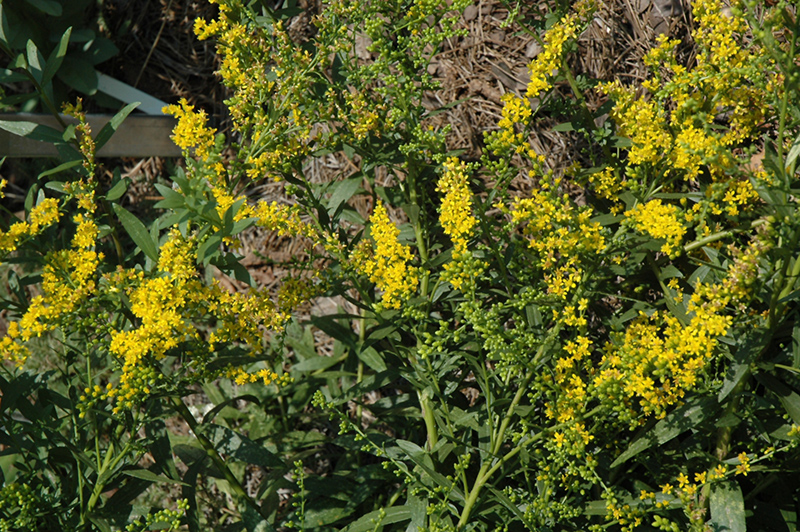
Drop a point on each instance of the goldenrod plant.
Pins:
(614, 346)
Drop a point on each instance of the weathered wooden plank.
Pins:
(138, 136)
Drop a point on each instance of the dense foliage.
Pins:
(614, 346)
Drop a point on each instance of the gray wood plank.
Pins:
(138, 136)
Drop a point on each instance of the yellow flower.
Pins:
(659, 221)
(389, 268)
(191, 131)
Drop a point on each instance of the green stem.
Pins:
(183, 411)
(719, 236)
(487, 469)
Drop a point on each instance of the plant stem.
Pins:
(487, 469)
(183, 411)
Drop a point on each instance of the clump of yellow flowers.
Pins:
(516, 345)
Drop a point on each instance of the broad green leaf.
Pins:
(371, 358)
(727, 507)
(32, 131)
(111, 127)
(384, 516)
(117, 191)
(144, 474)
(343, 191)
(137, 231)
(675, 423)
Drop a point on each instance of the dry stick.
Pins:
(152, 48)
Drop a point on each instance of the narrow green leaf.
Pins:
(316, 363)
(56, 57)
(371, 358)
(727, 507)
(787, 396)
(749, 348)
(144, 474)
(35, 59)
(32, 131)
(137, 231)
(60, 168)
(111, 127)
(211, 414)
(172, 199)
(794, 153)
(675, 423)
(343, 192)
(254, 522)
(385, 516)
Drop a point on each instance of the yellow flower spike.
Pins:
(389, 268)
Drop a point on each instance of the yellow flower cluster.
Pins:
(41, 216)
(68, 280)
(168, 305)
(728, 80)
(455, 211)
(661, 221)
(191, 132)
(388, 267)
(658, 358)
(556, 229)
(548, 61)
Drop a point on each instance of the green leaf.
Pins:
(316, 363)
(343, 192)
(117, 191)
(211, 414)
(137, 231)
(794, 152)
(749, 348)
(727, 507)
(418, 455)
(32, 130)
(48, 7)
(111, 127)
(331, 326)
(60, 168)
(371, 358)
(79, 74)
(385, 516)
(144, 474)
(35, 60)
(239, 447)
(254, 522)
(788, 397)
(56, 57)
(675, 423)
(172, 199)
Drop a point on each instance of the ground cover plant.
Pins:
(613, 345)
